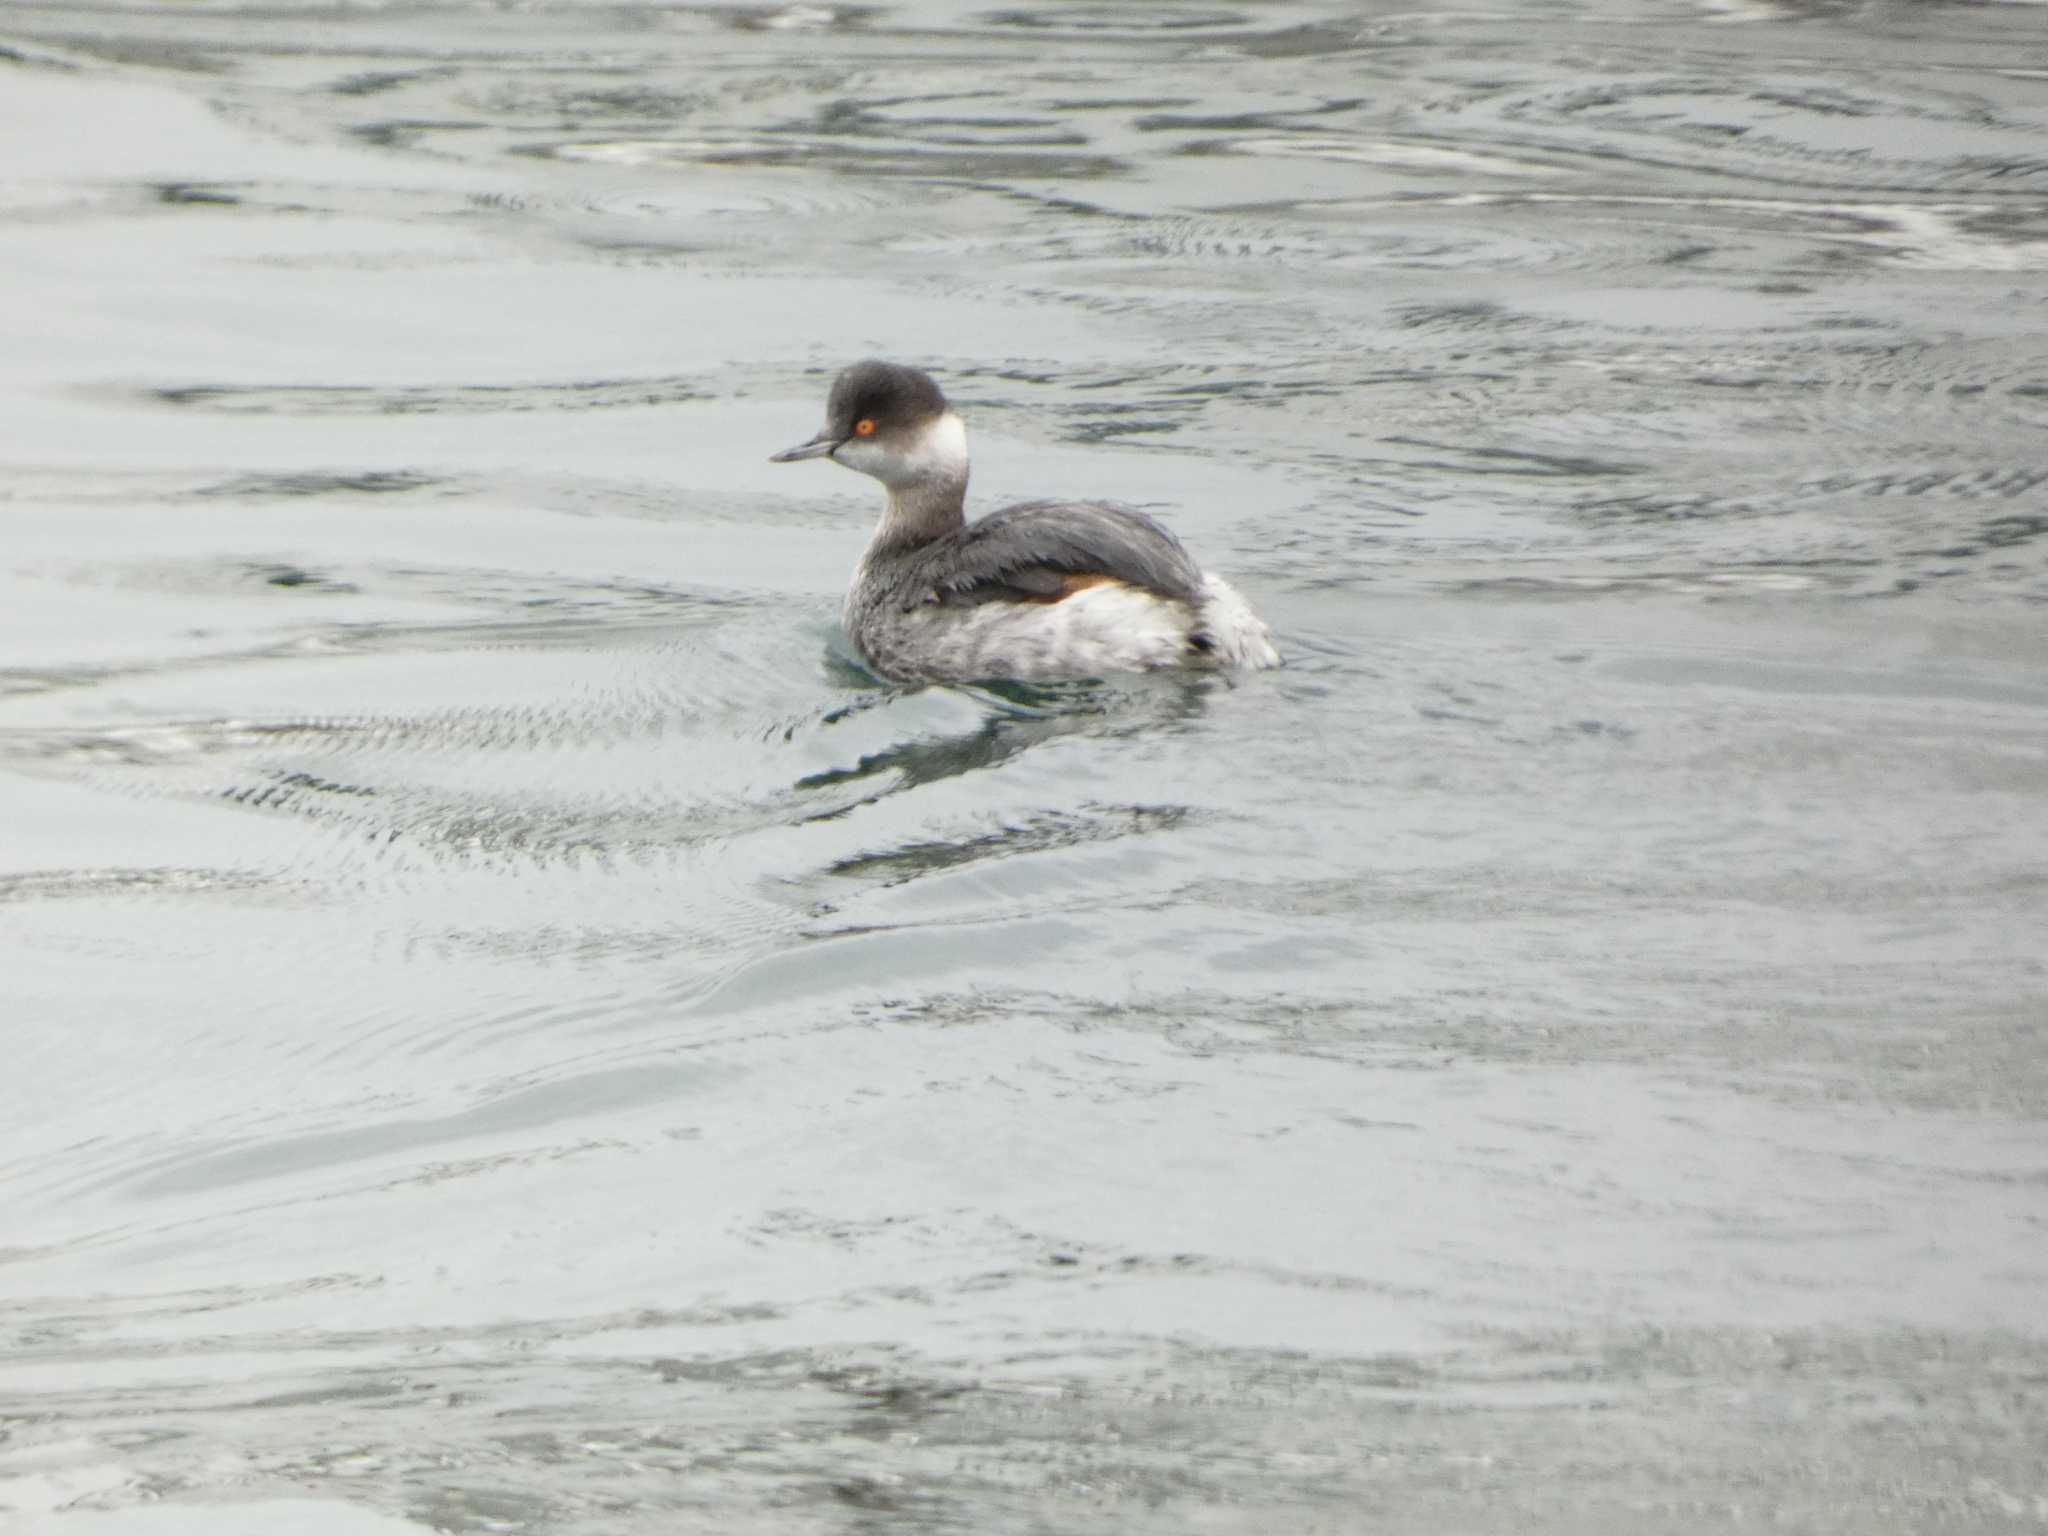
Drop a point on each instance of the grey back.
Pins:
(1027, 551)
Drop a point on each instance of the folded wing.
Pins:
(1044, 551)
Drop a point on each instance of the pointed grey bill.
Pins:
(816, 448)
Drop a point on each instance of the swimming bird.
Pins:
(1042, 591)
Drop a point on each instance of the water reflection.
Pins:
(1014, 717)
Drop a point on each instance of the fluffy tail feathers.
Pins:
(1228, 631)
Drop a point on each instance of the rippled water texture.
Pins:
(508, 1029)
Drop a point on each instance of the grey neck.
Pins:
(919, 513)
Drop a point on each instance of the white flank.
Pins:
(1098, 631)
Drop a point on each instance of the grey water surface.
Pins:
(506, 1028)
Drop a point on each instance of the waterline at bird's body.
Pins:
(1040, 591)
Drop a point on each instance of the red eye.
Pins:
(865, 427)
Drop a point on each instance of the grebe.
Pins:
(1043, 591)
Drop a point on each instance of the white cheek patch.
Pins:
(940, 452)
(865, 455)
(937, 454)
